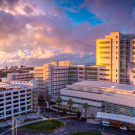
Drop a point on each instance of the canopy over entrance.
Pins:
(116, 117)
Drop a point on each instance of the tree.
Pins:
(49, 97)
(70, 103)
(59, 101)
(79, 114)
(85, 106)
(64, 111)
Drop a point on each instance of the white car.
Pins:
(123, 128)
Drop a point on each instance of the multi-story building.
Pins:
(116, 52)
(51, 77)
(17, 98)
(20, 76)
(105, 97)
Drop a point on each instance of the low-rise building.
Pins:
(107, 97)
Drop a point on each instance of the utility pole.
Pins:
(16, 126)
(12, 125)
(54, 56)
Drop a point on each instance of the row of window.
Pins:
(82, 104)
(1, 100)
(98, 101)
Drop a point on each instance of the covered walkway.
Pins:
(116, 117)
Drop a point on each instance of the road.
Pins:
(73, 125)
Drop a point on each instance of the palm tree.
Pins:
(70, 103)
(58, 101)
(85, 106)
(49, 97)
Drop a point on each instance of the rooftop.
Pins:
(108, 85)
(13, 86)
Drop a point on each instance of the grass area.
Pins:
(86, 133)
(43, 126)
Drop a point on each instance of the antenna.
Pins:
(54, 55)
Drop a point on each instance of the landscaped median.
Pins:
(43, 126)
(86, 133)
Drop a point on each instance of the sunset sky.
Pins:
(31, 29)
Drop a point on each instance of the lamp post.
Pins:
(16, 126)
(12, 125)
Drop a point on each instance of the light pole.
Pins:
(12, 125)
(16, 126)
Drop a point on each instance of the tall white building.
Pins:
(116, 52)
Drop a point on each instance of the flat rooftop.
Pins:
(6, 86)
(108, 85)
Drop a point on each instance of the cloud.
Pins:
(28, 10)
(8, 4)
(29, 33)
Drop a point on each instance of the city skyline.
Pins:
(31, 30)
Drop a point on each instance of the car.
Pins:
(123, 128)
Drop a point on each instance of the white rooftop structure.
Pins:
(108, 85)
(116, 117)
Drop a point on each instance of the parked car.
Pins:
(105, 123)
(123, 128)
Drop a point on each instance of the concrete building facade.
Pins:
(115, 51)
(107, 97)
(17, 98)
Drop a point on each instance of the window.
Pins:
(104, 57)
(8, 98)
(22, 95)
(9, 107)
(116, 47)
(15, 97)
(116, 52)
(29, 90)
(1, 95)
(16, 105)
(104, 74)
(23, 91)
(116, 42)
(105, 42)
(15, 93)
(16, 101)
(104, 69)
(116, 36)
(22, 104)
(80, 72)
(104, 52)
(8, 103)
(22, 99)
(105, 47)
(116, 70)
(116, 57)
(8, 94)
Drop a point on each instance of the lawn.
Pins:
(86, 133)
(43, 126)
